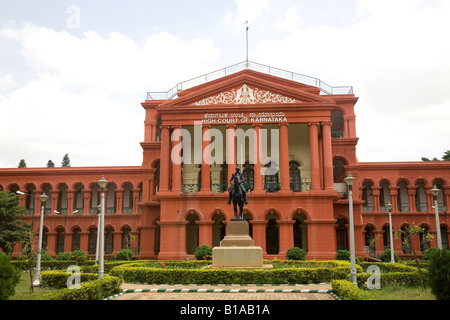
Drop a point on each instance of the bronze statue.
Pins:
(237, 193)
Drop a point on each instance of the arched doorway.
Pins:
(341, 234)
(191, 233)
(272, 234)
(300, 232)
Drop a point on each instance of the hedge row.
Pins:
(137, 274)
(394, 278)
(389, 267)
(92, 290)
(346, 290)
(58, 279)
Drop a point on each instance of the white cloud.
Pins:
(84, 98)
(396, 57)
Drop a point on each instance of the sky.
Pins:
(73, 73)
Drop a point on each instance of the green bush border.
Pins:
(136, 273)
(346, 290)
(58, 279)
(93, 290)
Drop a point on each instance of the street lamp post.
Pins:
(37, 282)
(391, 241)
(435, 191)
(349, 180)
(102, 183)
(98, 232)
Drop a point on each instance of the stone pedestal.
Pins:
(237, 249)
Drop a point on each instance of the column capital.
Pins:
(313, 123)
(282, 124)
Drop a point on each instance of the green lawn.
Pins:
(23, 289)
(402, 293)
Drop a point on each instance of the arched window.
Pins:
(111, 198)
(424, 245)
(402, 197)
(92, 246)
(341, 234)
(369, 239)
(62, 199)
(337, 124)
(271, 183)
(126, 237)
(300, 232)
(385, 197)
(192, 234)
(76, 238)
(249, 176)
(386, 237)
(218, 232)
(109, 240)
(60, 238)
(127, 203)
(79, 198)
(294, 176)
(421, 197)
(272, 234)
(367, 197)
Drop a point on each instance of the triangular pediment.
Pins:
(248, 87)
(246, 94)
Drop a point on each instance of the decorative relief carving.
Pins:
(245, 95)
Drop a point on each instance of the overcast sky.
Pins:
(73, 73)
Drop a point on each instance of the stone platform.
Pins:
(237, 249)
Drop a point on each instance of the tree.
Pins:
(22, 164)
(66, 161)
(11, 227)
(408, 232)
(445, 157)
(50, 164)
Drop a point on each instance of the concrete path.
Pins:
(225, 292)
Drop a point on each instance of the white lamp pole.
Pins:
(37, 281)
(435, 191)
(349, 180)
(391, 241)
(102, 182)
(98, 232)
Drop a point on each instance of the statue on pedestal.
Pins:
(237, 193)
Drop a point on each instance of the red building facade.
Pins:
(293, 143)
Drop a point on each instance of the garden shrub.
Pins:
(9, 277)
(90, 290)
(296, 253)
(439, 274)
(64, 256)
(342, 255)
(385, 256)
(138, 273)
(203, 252)
(124, 254)
(409, 279)
(346, 290)
(58, 279)
(429, 252)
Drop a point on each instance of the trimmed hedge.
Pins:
(346, 290)
(409, 279)
(139, 274)
(389, 267)
(93, 290)
(58, 279)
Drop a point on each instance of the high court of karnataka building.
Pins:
(298, 198)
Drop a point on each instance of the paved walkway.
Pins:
(225, 292)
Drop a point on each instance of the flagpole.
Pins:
(246, 41)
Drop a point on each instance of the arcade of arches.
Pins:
(294, 147)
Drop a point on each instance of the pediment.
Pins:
(246, 94)
(248, 87)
